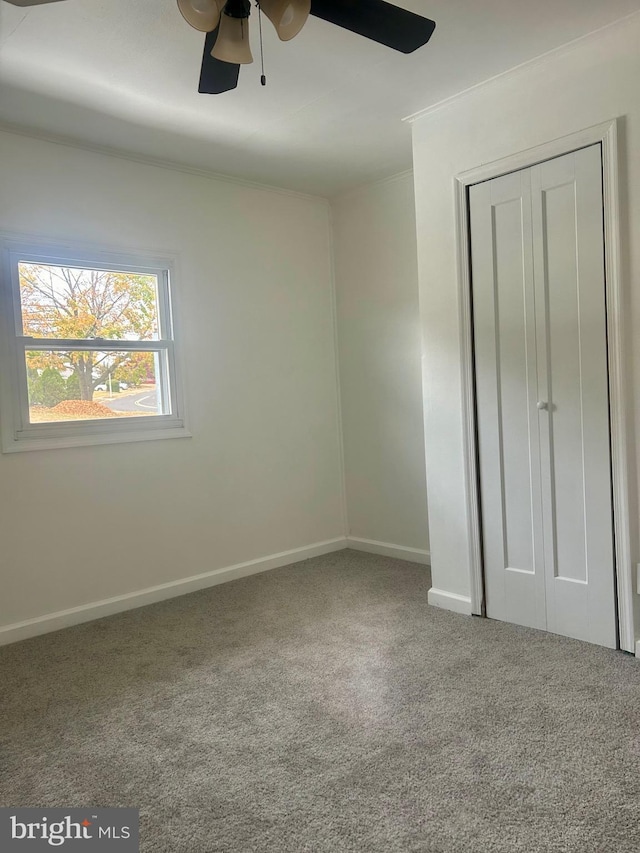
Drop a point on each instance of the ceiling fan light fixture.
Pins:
(232, 44)
(287, 16)
(202, 15)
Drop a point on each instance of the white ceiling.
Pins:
(123, 74)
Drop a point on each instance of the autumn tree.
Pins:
(79, 304)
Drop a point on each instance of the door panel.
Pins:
(506, 389)
(557, 224)
(542, 397)
(576, 469)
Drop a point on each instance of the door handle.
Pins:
(543, 406)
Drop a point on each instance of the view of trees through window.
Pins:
(73, 305)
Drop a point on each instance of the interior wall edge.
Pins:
(375, 263)
(369, 185)
(336, 349)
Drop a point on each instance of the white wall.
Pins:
(262, 473)
(583, 85)
(379, 345)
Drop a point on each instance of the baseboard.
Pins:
(638, 649)
(414, 555)
(449, 601)
(120, 603)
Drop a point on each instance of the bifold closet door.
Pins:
(542, 397)
(507, 395)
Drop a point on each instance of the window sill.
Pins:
(92, 437)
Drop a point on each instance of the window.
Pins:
(88, 353)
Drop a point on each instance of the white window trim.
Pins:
(17, 433)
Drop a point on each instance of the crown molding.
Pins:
(171, 165)
(523, 67)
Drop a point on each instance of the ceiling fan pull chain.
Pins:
(263, 79)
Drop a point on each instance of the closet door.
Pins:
(507, 395)
(542, 397)
(572, 342)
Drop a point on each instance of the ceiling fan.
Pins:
(226, 24)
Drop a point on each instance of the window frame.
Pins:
(17, 433)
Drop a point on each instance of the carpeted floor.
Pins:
(324, 707)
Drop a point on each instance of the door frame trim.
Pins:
(606, 134)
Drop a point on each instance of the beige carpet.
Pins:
(324, 707)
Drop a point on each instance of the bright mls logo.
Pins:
(83, 830)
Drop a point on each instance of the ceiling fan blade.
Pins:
(377, 20)
(216, 76)
(30, 2)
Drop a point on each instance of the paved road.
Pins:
(141, 401)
